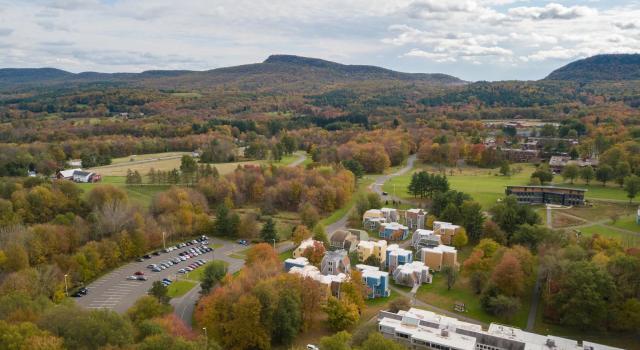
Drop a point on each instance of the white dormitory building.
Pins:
(421, 329)
(331, 282)
(412, 274)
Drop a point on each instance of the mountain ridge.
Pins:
(276, 68)
(605, 67)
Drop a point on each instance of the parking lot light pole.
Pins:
(206, 338)
(274, 243)
(164, 245)
(66, 286)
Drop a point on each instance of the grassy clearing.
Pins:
(363, 187)
(146, 157)
(628, 223)
(180, 288)
(142, 195)
(486, 185)
(438, 295)
(625, 238)
(286, 255)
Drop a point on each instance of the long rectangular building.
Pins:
(547, 195)
(421, 329)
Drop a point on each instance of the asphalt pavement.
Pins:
(113, 291)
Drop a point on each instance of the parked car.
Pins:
(188, 269)
(312, 347)
(147, 256)
(132, 278)
(156, 269)
(142, 278)
(155, 253)
(182, 271)
(140, 259)
(151, 266)
(139, 273)
(243, 242)
(384, 193)
(80, 292)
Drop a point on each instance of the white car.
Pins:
(312, 347)
(132, 278)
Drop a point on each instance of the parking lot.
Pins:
(113, 291)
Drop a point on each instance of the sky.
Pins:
(471, 39)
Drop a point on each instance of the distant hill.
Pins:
(276, 72)
(600, 68)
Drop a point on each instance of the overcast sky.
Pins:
(471, 39)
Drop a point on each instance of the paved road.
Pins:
(380, 181)
(299, 161)
(113, 291)
(376, 187)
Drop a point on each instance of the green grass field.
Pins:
(486, 186)
(437, 294)
(482, 184)
(180, 288)
(142, 195)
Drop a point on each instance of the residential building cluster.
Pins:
(421, 329)
(394, 261)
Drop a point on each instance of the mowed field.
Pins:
(486, 185)
(115, 173)
(169, 161)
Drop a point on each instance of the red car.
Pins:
(139, 273)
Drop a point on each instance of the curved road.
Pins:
(376, 187)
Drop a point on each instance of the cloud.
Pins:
(5, 31)
(551, 11)
(626, 25)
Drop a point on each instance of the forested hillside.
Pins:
(600, 67)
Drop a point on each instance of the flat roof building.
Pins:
(421, 329)
(547, 195)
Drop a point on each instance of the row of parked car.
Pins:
(193, 266)
(182, 256)
(203, 240)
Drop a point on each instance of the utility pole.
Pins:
(274, 243)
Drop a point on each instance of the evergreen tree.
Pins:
(268, 232)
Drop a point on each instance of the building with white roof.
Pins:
(412, 274)
(425, 238)
(331, 282)
(446, 230)
(303, 245)
(397, 256)
(295, 262)
(421, 329)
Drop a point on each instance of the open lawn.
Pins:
(625, 238)
(438, 295)
(147, 157)
(180, 288)
(142, 195)
(486, 185)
